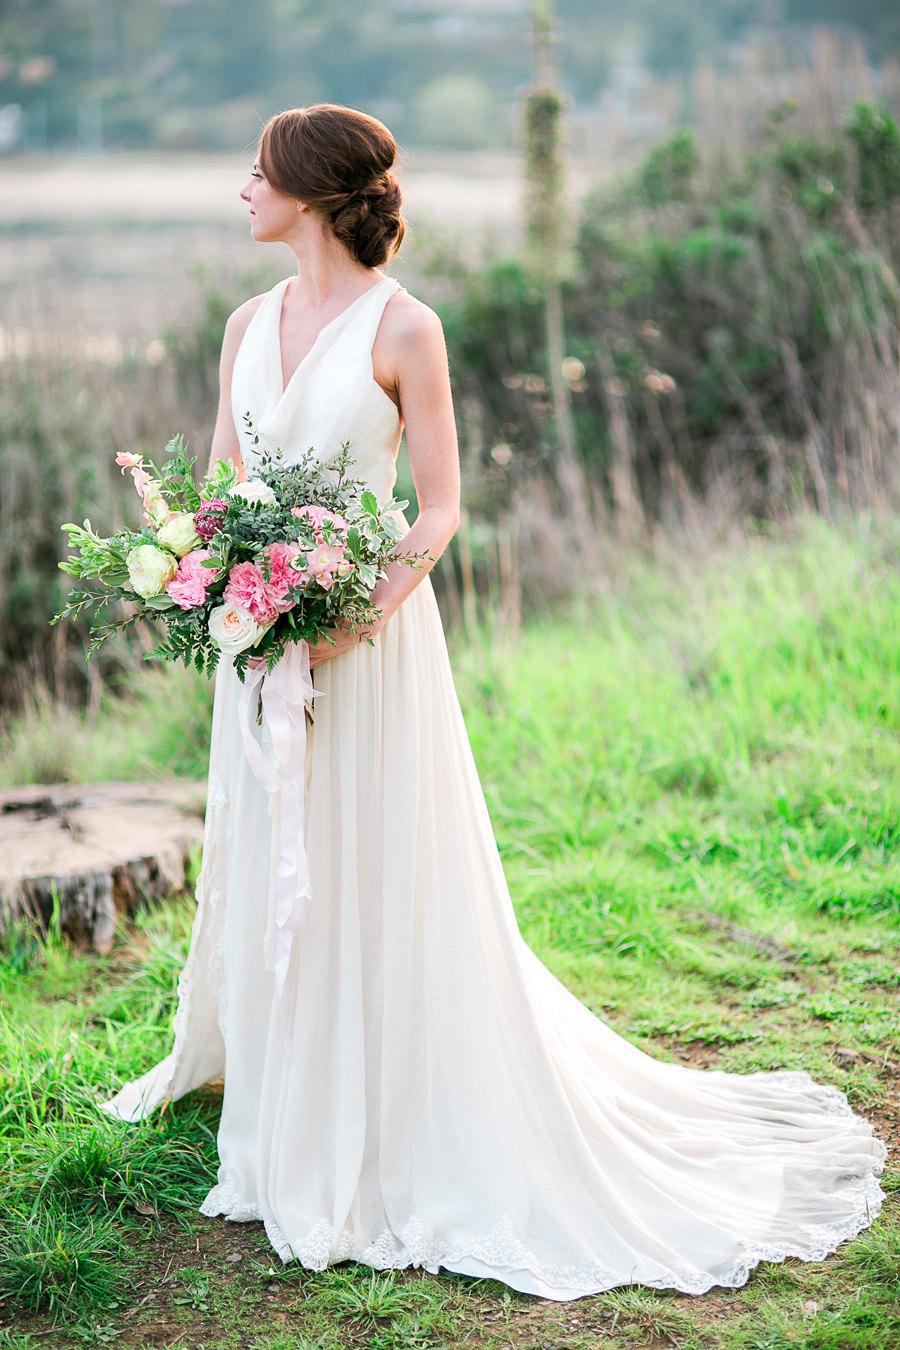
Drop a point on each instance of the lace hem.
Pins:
(504, 1253)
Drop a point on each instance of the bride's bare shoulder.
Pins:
(409, 324)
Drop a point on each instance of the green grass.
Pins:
(712, 744)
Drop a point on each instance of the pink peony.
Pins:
(188, 587)
(247, 587)
(282, 576)
(208, 516)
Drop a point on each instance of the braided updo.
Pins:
(338, 161)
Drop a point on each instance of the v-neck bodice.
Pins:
(330, 398)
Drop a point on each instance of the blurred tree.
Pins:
(550, 259)
(457, 110)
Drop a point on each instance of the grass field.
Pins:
(693, 784)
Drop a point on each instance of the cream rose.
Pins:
(234, 628)
(254, 490)
(150, 569)
(177, 533)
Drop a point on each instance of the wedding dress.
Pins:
(447, 1102)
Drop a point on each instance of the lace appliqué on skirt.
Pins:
(216, 796)
(502, 1250)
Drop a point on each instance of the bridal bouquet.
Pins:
(238, 568)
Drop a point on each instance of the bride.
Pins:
(421, 1090)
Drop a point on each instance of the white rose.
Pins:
(254, 490)
(177, 533)
(234, 628)
(150, 569)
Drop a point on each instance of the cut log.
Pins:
(105, 848)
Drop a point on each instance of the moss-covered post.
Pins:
(549, 258)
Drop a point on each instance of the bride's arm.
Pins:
(416, 352)
(225, 443)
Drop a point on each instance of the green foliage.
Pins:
(177, 475)
(743, 313)
(668, 171)
(877, 139)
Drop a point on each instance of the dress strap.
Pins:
(367, 324)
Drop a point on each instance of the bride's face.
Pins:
(272, 215)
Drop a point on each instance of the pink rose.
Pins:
(318, 515)
(312, 513)
(340, 523)
(325, 562)
(188, 587)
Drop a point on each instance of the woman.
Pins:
(442, 1100)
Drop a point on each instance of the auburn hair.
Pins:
(338, 161)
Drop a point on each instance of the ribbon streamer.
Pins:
(284, 692)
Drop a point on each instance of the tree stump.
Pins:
(106, 848)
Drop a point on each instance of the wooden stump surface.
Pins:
(106, 847)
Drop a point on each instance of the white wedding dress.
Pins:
(448, 1102)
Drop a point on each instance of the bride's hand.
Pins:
(324, 651)
(343, 640)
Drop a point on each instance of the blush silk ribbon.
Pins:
(284, 691)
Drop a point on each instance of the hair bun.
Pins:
(314, 153)
(369, 222)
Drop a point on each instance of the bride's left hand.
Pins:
(343, 640)
(324, 651)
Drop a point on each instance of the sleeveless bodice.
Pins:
(331, 397)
